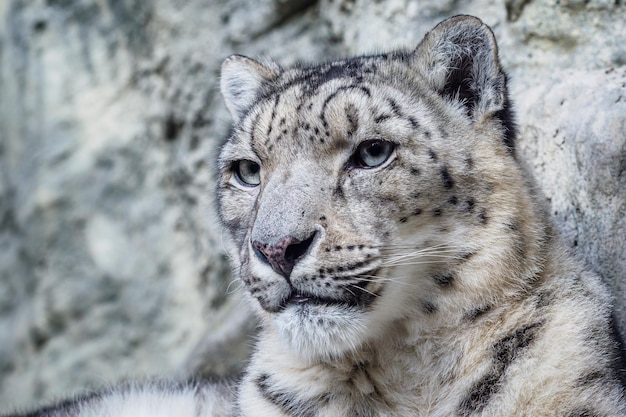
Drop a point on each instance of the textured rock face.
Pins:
(110, 257)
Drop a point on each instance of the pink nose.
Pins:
(283, 255)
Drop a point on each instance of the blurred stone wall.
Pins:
(110, 258)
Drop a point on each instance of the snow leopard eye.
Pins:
(247, 172)
(372, 153)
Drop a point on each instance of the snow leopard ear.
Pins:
(459, 59)
(241, 81)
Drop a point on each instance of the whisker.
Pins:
(364, 290)
(233, 281)
(407, 262)
(421, 252)
(419, 255)
(448, 245)
(401, 280)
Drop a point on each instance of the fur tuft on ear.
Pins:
(459, 58)
(241, 81)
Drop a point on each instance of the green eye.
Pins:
(247, 172)
(372, 153)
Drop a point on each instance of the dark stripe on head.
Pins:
(365, 91)
(273, 116)
(353, 119)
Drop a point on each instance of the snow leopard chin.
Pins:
(323, 332)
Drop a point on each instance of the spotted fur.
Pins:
(394, 248)
(434, 285)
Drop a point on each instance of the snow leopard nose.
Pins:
(283, 255)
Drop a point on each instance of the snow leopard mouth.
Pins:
(298, 299)
(357, 296)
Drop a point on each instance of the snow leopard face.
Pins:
(352, 190)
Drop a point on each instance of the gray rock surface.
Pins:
(110, 257)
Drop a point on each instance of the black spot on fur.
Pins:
(482, 217)
(448, 182)
(504, 353)
(417, 212)
(403, 219)
(444, 279)
(467, 256)
(381, 118)
(415, 171)
(469, 162)
(469, 205)
(394, 107)
(429, 308)
(477, 313)
(512, 225)
(432, 155)
(437, 212)
(453, 200)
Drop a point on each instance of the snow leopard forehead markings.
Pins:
(326, 119)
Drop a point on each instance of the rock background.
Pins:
(110, 256)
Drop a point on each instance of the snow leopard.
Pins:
(395, 249)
